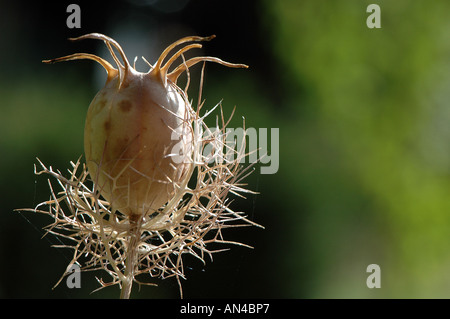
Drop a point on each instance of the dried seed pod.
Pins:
(143, 141)
(132, 125)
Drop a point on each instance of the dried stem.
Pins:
(131, 259)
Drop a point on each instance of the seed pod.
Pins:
(132, 125)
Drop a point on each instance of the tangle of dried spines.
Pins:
(101, 236)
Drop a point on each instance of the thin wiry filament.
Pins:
(161, 73)
(178, 54)
(123, 68)
(173, 76)
(108, 41)
(176, 43)
(112, 72)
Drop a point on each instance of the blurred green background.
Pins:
(364, 162)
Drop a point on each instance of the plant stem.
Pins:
(131, 259)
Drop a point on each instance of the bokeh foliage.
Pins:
(369, 147)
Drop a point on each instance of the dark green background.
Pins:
(363, 115)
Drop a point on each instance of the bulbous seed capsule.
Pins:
(128, 137)
(130, 125)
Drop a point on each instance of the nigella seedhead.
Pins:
(148, 193)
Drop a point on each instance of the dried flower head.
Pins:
(157, 181)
